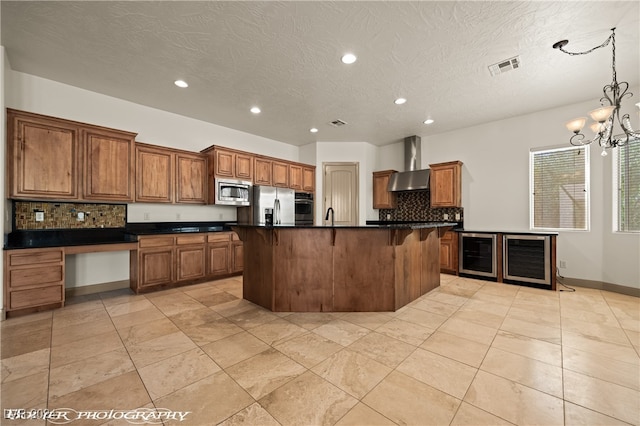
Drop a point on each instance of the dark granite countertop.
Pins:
(80, 237)
(369, 225)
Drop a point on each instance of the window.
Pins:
(559, 183)
(628, 190)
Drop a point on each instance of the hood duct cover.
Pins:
(411, 179)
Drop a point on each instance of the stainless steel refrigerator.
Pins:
(280, 200)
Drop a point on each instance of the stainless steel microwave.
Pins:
(233, 192)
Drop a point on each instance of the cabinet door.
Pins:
(263, 172)
(295, 176)
(108, 165)
(449, 253)
(191, 176)
(383, 199)
(445, 184)
(244, 166)
(309, 179)
(280, 174)
(219, 259)
(224, 164)
(237, 253)
(156, 266)
(191, 262)
(154, 175)
(43, 155)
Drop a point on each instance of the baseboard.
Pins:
(598, 285)
(95, 288)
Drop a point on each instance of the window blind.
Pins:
(629, 187)
(559, 188)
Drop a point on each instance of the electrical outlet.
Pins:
(39, 216)
(146, 216)
(388, 216)
(177, 216)
(457, 216)
(80, 216)
(220, 216)
(445, 216)
(563, 263)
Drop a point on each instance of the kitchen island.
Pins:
(340, 268)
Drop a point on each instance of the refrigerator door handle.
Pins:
(276, 212)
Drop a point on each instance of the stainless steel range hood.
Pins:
(411, 179)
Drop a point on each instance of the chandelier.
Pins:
(609, 112)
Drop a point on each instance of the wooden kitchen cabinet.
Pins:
(280, 174)
(165, 175)
(191, 178)
(308, 178)
(224, 254)
(153, 264)
(449, 253)
(190, 257)
(42, 157)
(154, 174)
(295, 177)
(262, 171)
(383, 199)
(445, 184)
(232, 164)
(34, 279)
(109, 164)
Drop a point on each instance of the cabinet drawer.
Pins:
(26, 258)
(35, 297)
(218, 237)
(190, 239)
(36, 276)
(155, 242)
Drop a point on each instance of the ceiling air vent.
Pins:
(504, 66)
(338, 123)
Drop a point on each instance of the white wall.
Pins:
(34, 94)
(495, 193)
(362, 153)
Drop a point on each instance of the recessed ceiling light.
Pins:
(181, 83)
(255, 110)
(313, 130)
(428, 121)
(400, 101)
(349, 58)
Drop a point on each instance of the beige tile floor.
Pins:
(468, 353)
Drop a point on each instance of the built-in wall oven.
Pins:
(304, 208)
(477, 254)
(527, 258)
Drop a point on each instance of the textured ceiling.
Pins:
(285, 58)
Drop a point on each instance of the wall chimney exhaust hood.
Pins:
(411, 179)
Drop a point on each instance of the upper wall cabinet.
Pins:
(263, 171)
(42, 157)
(51, 158)
(191, 178)
(109, 170)
(445, 184)
(165, 175)
(232, 164)
(309, 178)
(280, 174)
(383, 199)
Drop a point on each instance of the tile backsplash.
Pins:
(65, 215)
(416, 206)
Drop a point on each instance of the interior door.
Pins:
(341, 192)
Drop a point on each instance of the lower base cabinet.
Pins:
(34, 279)
(175, 259)
(449, 253)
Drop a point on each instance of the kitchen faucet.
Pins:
(329, 210)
